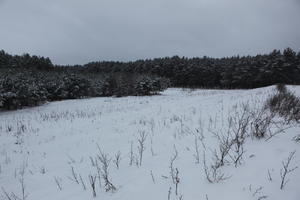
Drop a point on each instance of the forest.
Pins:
(29, 80)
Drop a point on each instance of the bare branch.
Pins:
(286, 169)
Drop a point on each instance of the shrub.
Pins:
(281, 88)
(285, 104)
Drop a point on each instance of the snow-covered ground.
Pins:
(46, 143)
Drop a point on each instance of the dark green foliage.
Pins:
(19, 91)
(31, 80)
(24, 61)
(126, 84)
(231, 72)
(21, 88)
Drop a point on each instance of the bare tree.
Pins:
(240, 126)
(74, 176)
(98, 172)
(172, 170)
(286, 169)
(117, 159)
(213, 173)
(261, 122)
(13, 196)
(92, 179)
(225, 144)
(57, 181)
(197, 154)
(141, 146)
(131, 155)
(105, 161)
(238, 154)
(21, 180)
(82, 182)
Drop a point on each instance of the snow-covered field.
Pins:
(51, 147)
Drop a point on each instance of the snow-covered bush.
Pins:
(77, 87)
(21, 88)
(148, 85)
(144, 87)
(125, 84)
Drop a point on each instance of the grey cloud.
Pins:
(77, 31)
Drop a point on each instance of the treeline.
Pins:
(30, 80)
(27, 80)
(231, 72)
(24, 61)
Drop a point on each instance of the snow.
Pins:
(49, 140)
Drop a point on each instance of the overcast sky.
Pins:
(80, 31)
